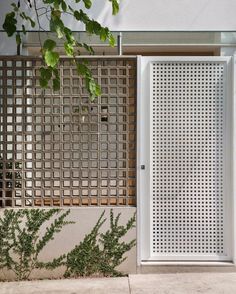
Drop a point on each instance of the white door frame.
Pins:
(143, 152)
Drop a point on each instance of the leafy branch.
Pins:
(54, 11)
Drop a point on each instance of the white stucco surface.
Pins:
(158, 15)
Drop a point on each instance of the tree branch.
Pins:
(39, 24)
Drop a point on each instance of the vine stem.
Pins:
(39, 24)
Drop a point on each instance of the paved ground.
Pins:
(187, 283)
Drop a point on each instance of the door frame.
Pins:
(143, 153)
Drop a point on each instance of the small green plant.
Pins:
(21, 243)
(113, 248)
(83, 260)
(98, 253)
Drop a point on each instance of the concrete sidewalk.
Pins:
(181, 283)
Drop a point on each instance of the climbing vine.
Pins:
(101, 253)
(21, 239)
(25, 233)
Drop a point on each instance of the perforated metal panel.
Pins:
(188, 160)
(59, 149)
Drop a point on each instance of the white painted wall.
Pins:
(7, 45)
(159, 15)
(72, 235)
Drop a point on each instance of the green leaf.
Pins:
(77, 15)
(86, 47)
(51, 25)
(51, 58)
(59, 29)
(104, 33)
(45, 73)
(56, 84)
(96, 27)
(98, 90)
(89, 27)
(69, 36)
(56, 72)
(69, 49)
(81, 16)
(70, 8)
(56, 24)
(111, 40)
(63, 6)
(87, 3)
(15, 7)
(18, 39)
(31, 22)
(115, 7)
(43, 83)
(94, 88)
(26, 17)
(93, 27)
(23, 29)
(48, 1)
(56, 13)
(9, 24)
(23, 15)
(59, 32)
(49, 44)
(56, 4)
(82, 69)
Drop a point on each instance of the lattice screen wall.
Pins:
(188, 163)
(59, 149)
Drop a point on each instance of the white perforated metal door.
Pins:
(187, 213)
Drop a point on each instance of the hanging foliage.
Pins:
(55, 10)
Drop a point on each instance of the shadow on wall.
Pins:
(7, 45)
